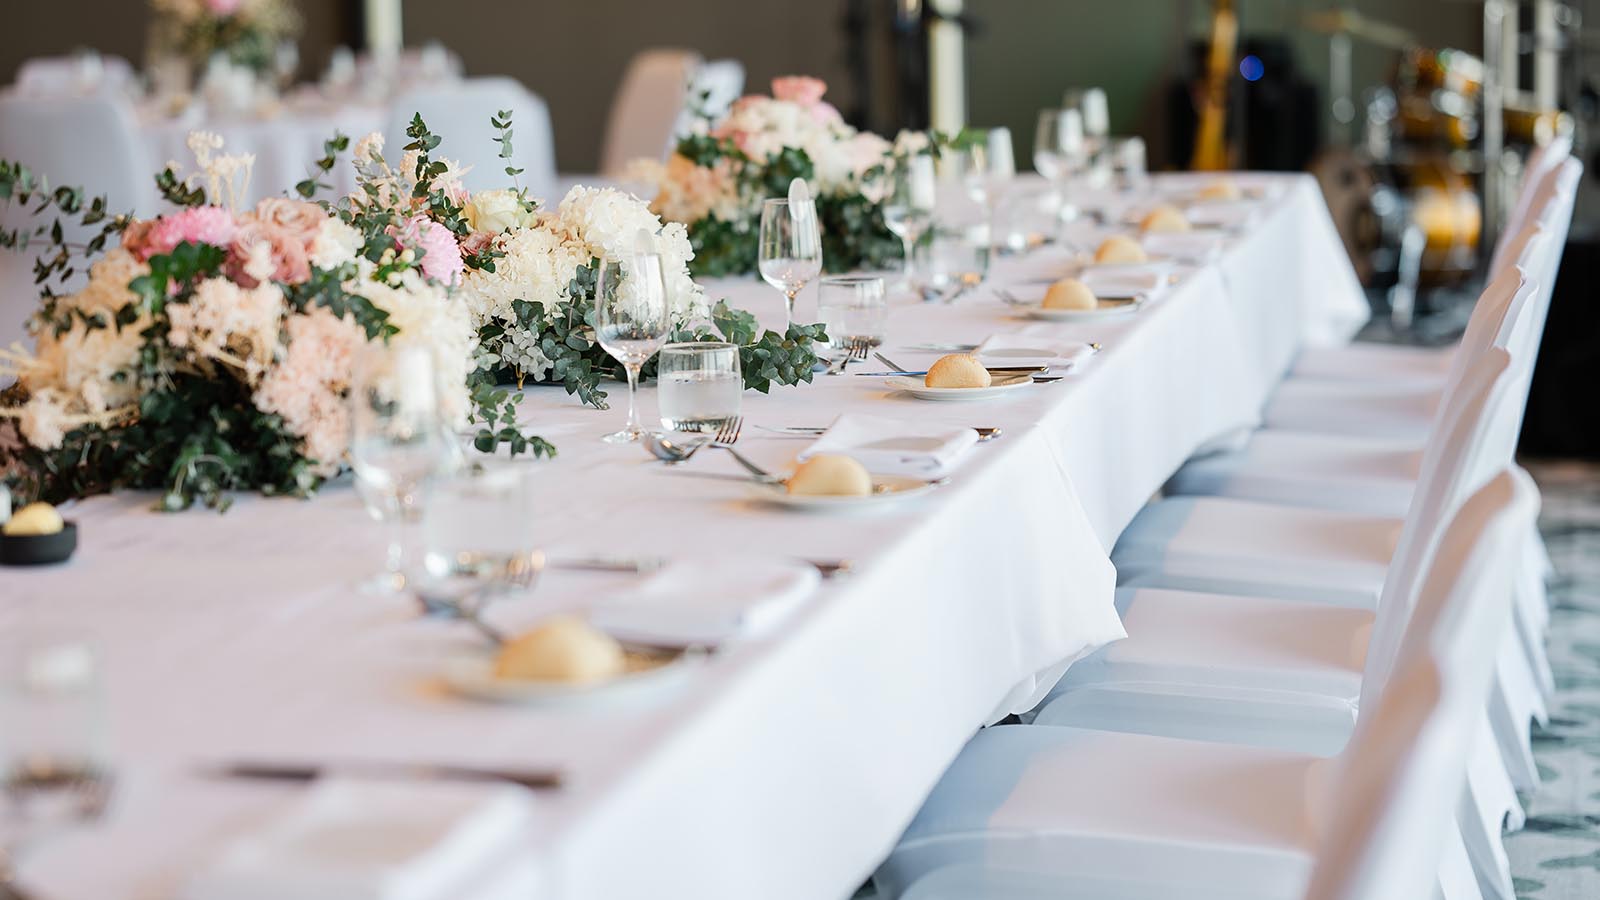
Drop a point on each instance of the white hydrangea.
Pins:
(335, 244)
(427, 316)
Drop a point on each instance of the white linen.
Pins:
(707, 600)
(1184, 246)
(1034, 345)
(356, 839)
(895, 447)
(789, 764)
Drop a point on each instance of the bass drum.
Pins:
(1373, 205)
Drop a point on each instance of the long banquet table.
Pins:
(788, 764)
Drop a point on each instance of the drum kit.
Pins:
(1411, 169)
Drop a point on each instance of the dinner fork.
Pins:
(855, 350)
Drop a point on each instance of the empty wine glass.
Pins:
(791, 249)
(632, 321)
(908, 209)
(1060, 153)
(1092, 106)
(398, 440)
(53, 760)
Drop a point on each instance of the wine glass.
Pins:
(398, 441)
(53, 761)
(791, 249)
(908, 209)
(1059, 153)
(632, 321)
(1092, 106)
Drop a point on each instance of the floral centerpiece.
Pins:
(528, 273)
(716, 178)
(211, 348)
(247, 31)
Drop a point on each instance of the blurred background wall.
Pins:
(1021, 58)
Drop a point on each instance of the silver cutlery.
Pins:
(985, 433)
(855, 350)
(941, 348)
(887, 361)
(88, 789)
(1002, 371)
(534, 779)
(666, 449)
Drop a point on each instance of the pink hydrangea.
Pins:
(440, 255)
(198, 225)
(307, 386)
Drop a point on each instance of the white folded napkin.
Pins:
(707, 600)
(360, 839)
(891, 447)
(1127, 281)
(1231, 215)
(1033, 346)
(1184, 246)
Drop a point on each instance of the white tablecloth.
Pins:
(789, 765)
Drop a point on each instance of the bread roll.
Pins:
(33, 520)
(563, 648)
(1164, 218)
(831, 475)
(958, 370)
(1120, 249)
(1070, 293)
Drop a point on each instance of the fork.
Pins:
(727, 436)
(1010, 298)
(855, 350)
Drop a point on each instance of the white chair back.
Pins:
(460, 113)
(644, 114)
(1555, 219)
(75, 74)
(1541, 162)
(715, 87)
(1400, 777)
(86, 142)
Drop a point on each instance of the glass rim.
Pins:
(851, 279)
(698, 346)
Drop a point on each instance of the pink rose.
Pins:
(224, 7)
(284, 260)
(801, 89)
(297, 217)
(476, 243)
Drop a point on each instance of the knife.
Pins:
(532, 779)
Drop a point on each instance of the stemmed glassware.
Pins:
(632, 320)
(399, 439)
(1091, 105)
(1060, 152)
(791, 247)
(53, 767)
(908, 209)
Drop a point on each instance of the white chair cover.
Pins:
(460, 114)
(87, 142)
(653, 96)
(1085, 807)
(1540, 164)
(1404, 768)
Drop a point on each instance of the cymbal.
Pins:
(1345, 21)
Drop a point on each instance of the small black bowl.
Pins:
(38, 549)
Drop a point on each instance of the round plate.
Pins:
(1080, 315)
(916, 387)
(887, 491)
(648, 670)
(39, 549)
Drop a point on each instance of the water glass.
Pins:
(1128, 163)
(478, 525)
(957, 257)
(399, 439)
(908, 209)
(632, 321)
(53, 757)
(853, 308)
(699, 385)
(790, 254)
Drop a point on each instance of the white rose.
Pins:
(335, 244)
(497, 211)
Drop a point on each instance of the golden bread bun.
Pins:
(1164, 218)
(562, 648)
(1120, 248)
(831, 475)
(1070, 293)
(958, 370)
(34, 519)
(1221, 189)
